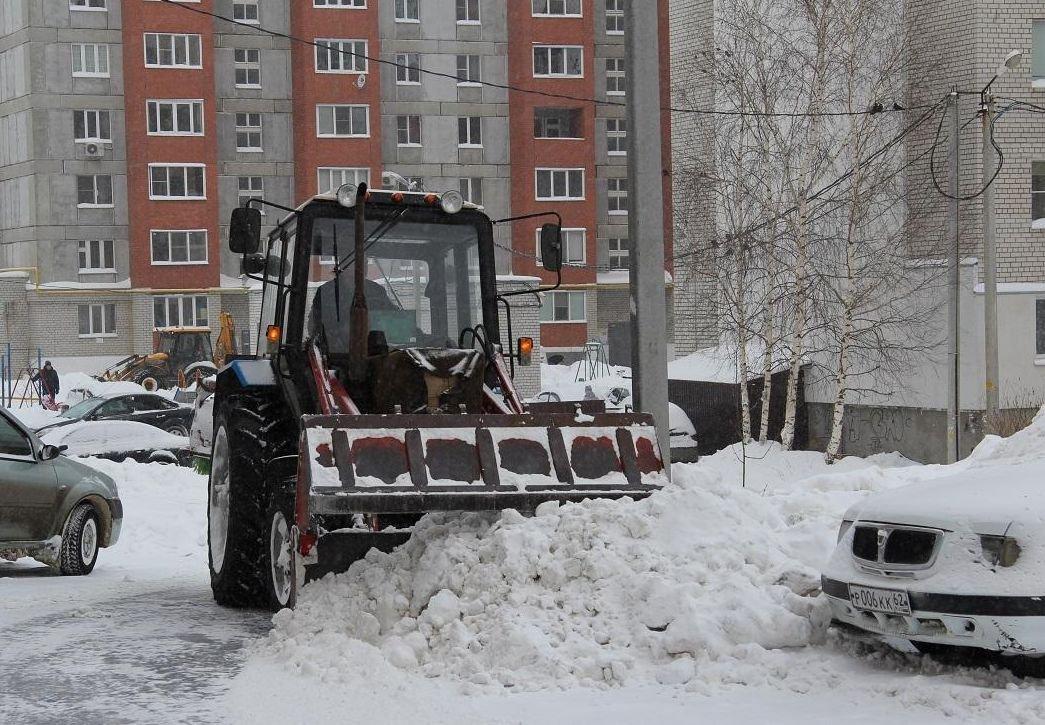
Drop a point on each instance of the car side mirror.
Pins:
(245, 230)
(49, 452)
(551, 247)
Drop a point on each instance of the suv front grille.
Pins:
(907, 547)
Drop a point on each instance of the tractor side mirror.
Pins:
(245, 230)
(551, 247)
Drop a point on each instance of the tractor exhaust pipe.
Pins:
(359, 320)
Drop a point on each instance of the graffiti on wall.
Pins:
(877, 429)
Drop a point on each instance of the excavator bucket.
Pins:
(384, 464)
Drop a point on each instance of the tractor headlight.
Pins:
(1000, 550)
(843, 529)
(451, 201)
(346, 195)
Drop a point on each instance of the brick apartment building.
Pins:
(129, 129)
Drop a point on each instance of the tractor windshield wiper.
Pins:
(386, 225)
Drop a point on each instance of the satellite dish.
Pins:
(361, 80)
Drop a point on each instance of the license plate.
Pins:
(887, 601)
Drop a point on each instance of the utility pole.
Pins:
(649, 349)
(990, 269)
(954, 298)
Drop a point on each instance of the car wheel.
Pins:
(178, 430)
(80, 542)
(280, 556)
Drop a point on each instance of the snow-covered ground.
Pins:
(698, 604)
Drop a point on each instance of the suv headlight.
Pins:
(1000, 550)
(843, 528)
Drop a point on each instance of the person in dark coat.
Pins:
(49, 385)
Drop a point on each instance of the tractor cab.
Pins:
(184, 346)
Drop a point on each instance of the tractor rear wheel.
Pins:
(249, 432)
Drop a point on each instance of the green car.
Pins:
(53, 509)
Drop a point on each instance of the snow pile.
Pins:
(77, 386)
(600, 592)
(1027, 445)
(719, 364)
(87, 438)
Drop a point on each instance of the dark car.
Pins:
(146, 408)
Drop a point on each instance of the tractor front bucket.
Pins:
(391, 464)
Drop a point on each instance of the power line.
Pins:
(531, 91)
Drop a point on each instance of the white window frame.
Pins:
(340, 4)
(179, 302)
(405, 6)
(617, 194)
(81, 51)
(184, 168)
(619, 74)
(468, 186)
(192, 103)
(615, 10)
(549, 303)
(568, 233)
(548, 7)
(468, 127)
(86, 115)
(468, 5)
(242, 195)
(104, 317)
(169, 262)
(247, 66)
(332, 108)
(468, 58)
(623, 252)
(403, 67)
(1037, 166)
(550, 48)
(553, 171)
(335, 48)
(87, 6)
(86, 249)
(244, 4)
(95, 204)
(618, 132)
(248, 130)
(420, 131)
(1037, 59)
(175, 38)
(358, 173)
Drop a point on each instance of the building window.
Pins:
(181, 246)
(557, 123)
(468, 70)
(558, 61)
(90, 60)
(92, 126)
(167, 50)
(246, 11)
(332, 178)
(1037, 69)
(560, 184)
(251, 187)
(96, 256)
(87, 4)
(177, 181)
(97, 320)
(470, 131)
(617, 196)
(557, 8)
(180, 311)
(94, 190)
(574, 246)
(341, 56)
(247, 67)
(1039, 326)
(614, 17)
(175, 118)
(1037, 194)
(618, 252)
(563, 307)
(468, 12)
(342, 120)
(339, 3)
(616, 82)
(408, 130)
(472, 189)
(408, 69)
(407, 11)
(248, 132)
(616, 136)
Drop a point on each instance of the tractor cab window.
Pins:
(422, 283)
(188, 347)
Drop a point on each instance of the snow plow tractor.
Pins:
(381, 391)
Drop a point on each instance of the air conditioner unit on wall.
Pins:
(92, 150)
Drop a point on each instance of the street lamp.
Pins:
(990, 281)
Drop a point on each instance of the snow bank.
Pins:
(594, 593)
(1021, 447)
(87, 438)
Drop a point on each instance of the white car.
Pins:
(201, 434)
(957, 561)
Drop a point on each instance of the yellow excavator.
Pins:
(181, 355)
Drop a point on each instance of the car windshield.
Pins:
(422, 282)
(82, 408)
